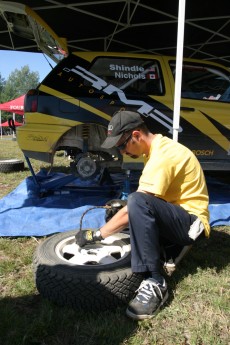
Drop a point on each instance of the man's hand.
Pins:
(84, 237)
(115, 206)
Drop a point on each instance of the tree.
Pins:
(2, 85)
(19, 82)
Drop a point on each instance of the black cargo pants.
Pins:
(153, 221)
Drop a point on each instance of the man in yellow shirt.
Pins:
(170, 207)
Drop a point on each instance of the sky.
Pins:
(10, 60)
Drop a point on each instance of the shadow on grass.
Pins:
(212, 253)
(32, 320)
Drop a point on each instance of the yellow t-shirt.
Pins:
(173, 173)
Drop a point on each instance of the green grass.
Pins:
(197, 312)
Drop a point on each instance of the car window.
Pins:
(131, 75)
(204, 82)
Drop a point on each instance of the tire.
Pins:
(9, 165)
(88, 285)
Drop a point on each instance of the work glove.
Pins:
(88, 236)
(115, 206)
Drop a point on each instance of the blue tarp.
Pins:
(30, 210)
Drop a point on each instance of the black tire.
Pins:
(10, 165)
(83, 287)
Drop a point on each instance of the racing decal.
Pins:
(33, 137)
(207, 127)
(133, 72)
(127, 72)
(92, 86)
(203, 152)
(145, 109)
(81, 117)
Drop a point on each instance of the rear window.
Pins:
(131, 75)
(204, 82)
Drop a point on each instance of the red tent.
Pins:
(6, 124)
(14, 106)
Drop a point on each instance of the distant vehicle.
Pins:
(72, 106)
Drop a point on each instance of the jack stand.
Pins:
(104, 176)
(32, 171)
(126, 190)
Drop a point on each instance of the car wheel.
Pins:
(95, 277)
(9, 165)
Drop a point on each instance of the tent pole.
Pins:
(14, 127)
(1, 122)
(179, 63)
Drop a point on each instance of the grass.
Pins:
(197, 312)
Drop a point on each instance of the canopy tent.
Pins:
(142, 26)
(14, 106)
(127, 25)
(134, 26)
(6, 124)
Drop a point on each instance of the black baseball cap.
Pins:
(121, 122)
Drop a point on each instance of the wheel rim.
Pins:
(109, 251)
(10, 161)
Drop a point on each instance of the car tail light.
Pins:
(31, 101)
(34, 105)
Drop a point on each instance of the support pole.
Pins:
(179, 63)
(1, 122)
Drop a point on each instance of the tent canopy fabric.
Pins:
(14, 106)
(6, 124)
(130, 25)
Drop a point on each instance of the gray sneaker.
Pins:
(151, 295)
